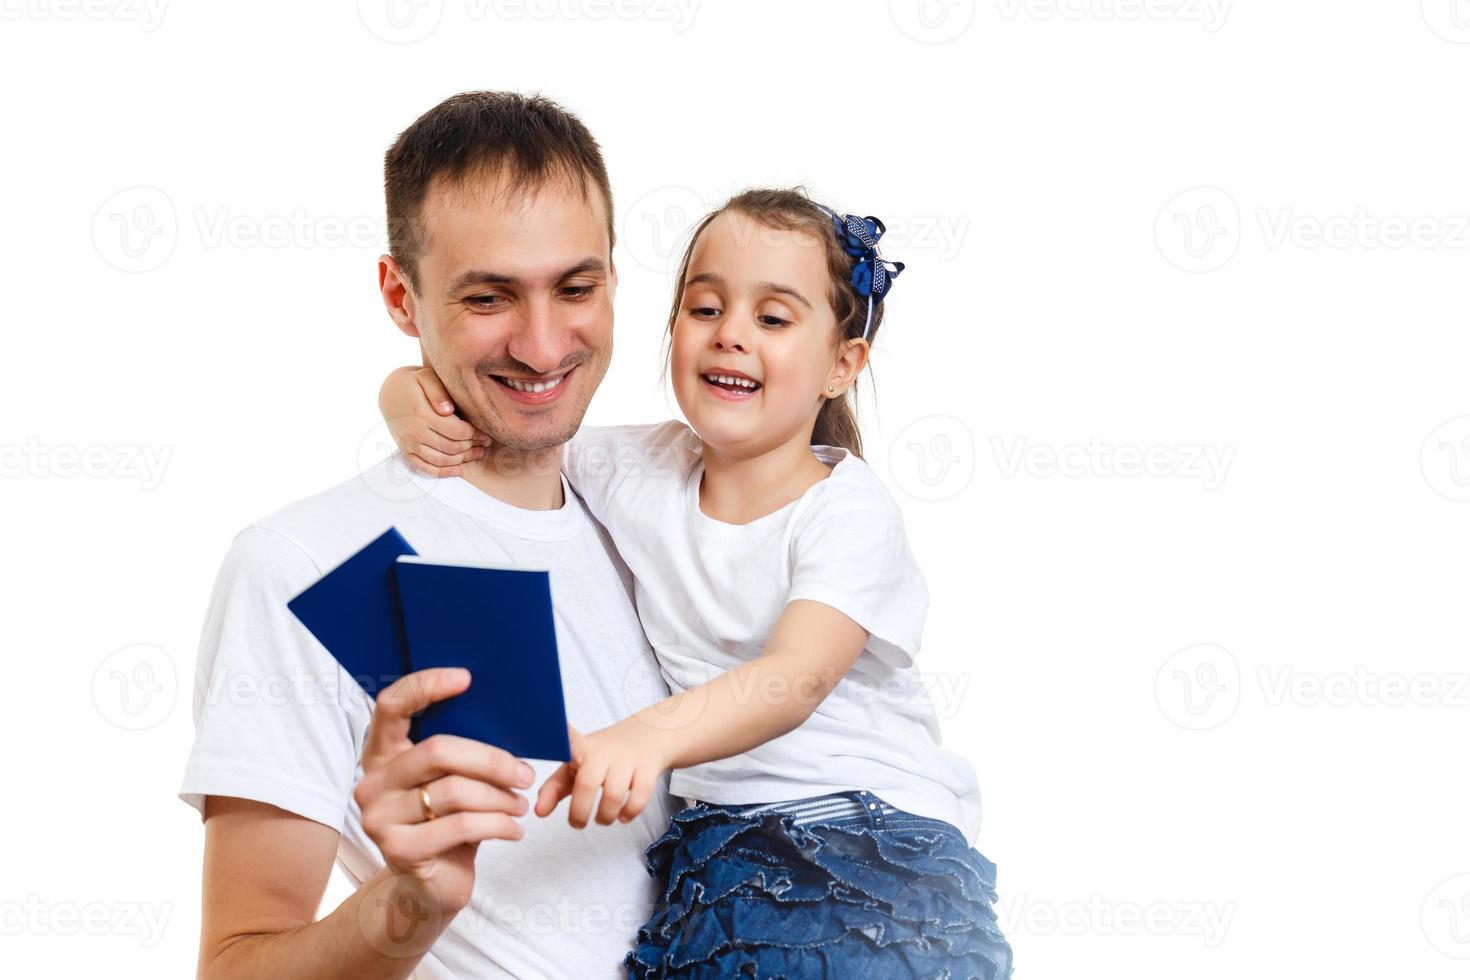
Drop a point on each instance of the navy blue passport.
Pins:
(497, 622)
(353, 610)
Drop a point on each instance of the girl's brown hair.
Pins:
(790, 210)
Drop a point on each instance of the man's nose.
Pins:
(541, 341)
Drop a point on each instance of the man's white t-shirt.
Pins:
(709, 594)
(278, 721)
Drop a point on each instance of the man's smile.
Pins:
(537, 390)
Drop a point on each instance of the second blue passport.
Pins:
(498, 623)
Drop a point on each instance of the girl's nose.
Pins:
(729, 336)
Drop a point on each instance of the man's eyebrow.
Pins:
(715, 279)
(486, 277)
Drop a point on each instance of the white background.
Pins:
(1217, 702)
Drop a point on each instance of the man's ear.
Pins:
(850, 363)
(397, 295)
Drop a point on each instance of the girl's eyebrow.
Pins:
(715, 279)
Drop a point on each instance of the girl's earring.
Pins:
(831, 389)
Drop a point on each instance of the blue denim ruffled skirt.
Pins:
(841, 887)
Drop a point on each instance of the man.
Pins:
(500, 227)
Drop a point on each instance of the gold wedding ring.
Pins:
(424, 802)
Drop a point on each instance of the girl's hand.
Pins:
(624, 761)
(421, 419)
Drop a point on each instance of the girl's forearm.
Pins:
(735, 712)
(810, 650)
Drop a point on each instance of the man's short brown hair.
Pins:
(526, 140)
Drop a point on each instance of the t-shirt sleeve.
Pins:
(271, 707)
(850, 552)
(603, 462)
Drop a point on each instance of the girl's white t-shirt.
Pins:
(709, 594)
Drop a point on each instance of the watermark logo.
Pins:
(387, 473)
(1445, 459)
(657, 224)
(933, 458)
(932, 21)
(399, 917)
(1199, 229)
(400, 21)
(1198, 688)
(1445, 917)
(136, 229)
(1450, 19)
(135, 688)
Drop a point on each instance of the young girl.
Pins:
(827, 832)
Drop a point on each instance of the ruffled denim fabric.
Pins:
(846, 899)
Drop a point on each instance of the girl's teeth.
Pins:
(728, 380)
(534, 386)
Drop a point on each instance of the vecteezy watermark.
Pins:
(1445, 459)
(1208, 464)
(1364, 229)
(563, 917)
(96, 461)
(644, 687)
(932, 458)
(1210, 14)
(1445, 917)
(932, 21)
(656, 226)
(1198, 230)
(1097, 916)
(1361, 687)
(1198, 687)
(148, 14)
(1450, 19)
(226, 228)
(136, 687)
(1201, 687)
(407, 21)
(138, 229)
(226, 684)
(940, 235)
(34, 916)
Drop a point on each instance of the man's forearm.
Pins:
(380, 932)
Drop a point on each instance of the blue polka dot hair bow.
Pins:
(872, 275)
